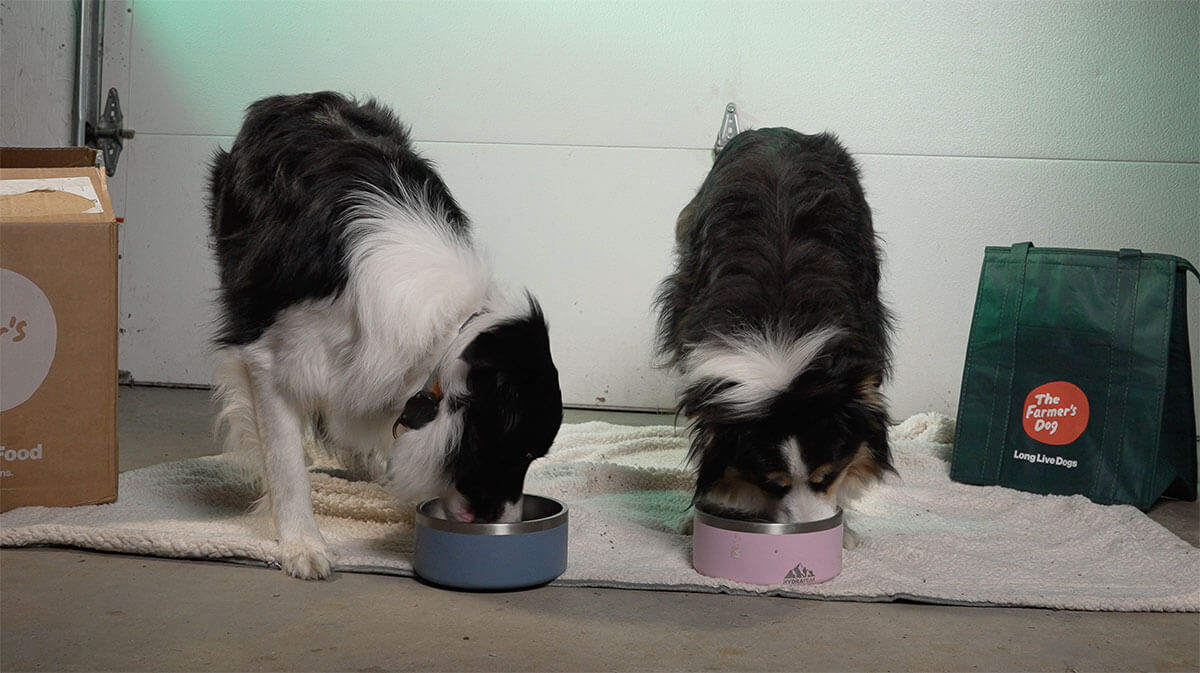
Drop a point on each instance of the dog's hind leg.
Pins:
(235, 423)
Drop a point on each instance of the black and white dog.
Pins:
(774, 321)
(355, 309)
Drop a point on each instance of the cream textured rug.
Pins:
(923, 537)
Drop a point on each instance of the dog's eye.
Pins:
(528, 457)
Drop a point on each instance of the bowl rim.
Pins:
(765, 527)
(426, 520)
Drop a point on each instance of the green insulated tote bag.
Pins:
(1077, 377)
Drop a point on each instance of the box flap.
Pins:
(47, 157)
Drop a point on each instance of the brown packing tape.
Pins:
(47, 157)
(42, 202)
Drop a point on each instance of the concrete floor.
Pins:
(65, 610)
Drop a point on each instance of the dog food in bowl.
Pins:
(767, 553)
(514, 555)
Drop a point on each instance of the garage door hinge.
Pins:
(108, 133)
(729, 129)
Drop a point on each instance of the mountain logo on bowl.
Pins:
(799, 575)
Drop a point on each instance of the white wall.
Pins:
(574, 131)
(38, 45)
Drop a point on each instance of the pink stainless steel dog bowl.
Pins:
(767, 553)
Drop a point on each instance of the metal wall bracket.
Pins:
(729, 129)
(108, 134)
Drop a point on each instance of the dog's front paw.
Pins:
(306, 559)
(849, 538)
(687, 526)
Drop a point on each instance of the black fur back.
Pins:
(277, 215)
(778, 236)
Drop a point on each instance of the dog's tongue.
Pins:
(463, 513)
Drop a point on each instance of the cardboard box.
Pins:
(58, 330)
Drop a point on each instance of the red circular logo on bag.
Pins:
(1055, 413)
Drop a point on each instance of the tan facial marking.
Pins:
(734, 492)
(783, 479)
(820, 474)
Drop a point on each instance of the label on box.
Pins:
(28, 337)
(26, 196)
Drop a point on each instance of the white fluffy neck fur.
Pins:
(759, 365)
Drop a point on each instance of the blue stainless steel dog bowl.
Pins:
(514, 555)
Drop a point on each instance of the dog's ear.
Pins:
(520, 344)
(870, 414)
(484, 351)
(860, 411)
(868, 392)
(687, 219)
(535, 311)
